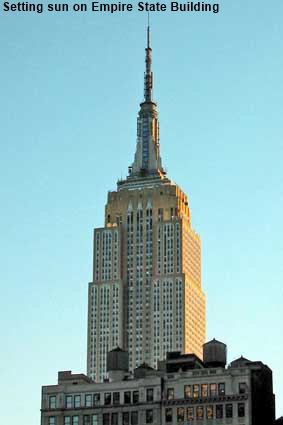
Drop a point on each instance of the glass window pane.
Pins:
(180, 414)
(195, 390)
(88, 400)
(219, 411)
(116, 398)
(168, 415)
(134, 418)
(75, 420)
(213, 389)
(95, 419)
(52, 402)
(170, 393)
(127, 397)
(96, 399)
(77, 401)
(126, 418)
(149, 394)
(229, 410)
(114, 418)
(67, 420)
(204, 390)
(86, 420)
(149, 416)
(187, 391)
(190, 413)
(241, 410)
(107, 398)
(221, 388)
(69, 401)
(209, 412)
(199, 412)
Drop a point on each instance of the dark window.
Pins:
(106, 419)
(209, 412)
(213, 389)
(180, 414)
(242, 388)
(108, 218)
(127, 397)
(96, 399)
(52, 402)
(149, 394)
(241, 410)
(77, 401)
(51, 420)
(107, 398)
(168, 415)
(88, 400)
(170, 393)
(195, 390)
(149, 416)
(221, 388)
(187, 391)
(114, 418)
(204, 390)
(190, 413)
(126, 418)
(134, 418)
(69, 401)
(199, 412)
(67, 420)
(135, 396)
(229, 410)
(116, 398)
(219, 411)
(75, 420)
(86, 420)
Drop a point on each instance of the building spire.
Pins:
(148, 77)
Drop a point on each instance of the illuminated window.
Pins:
(195, 390)
(209, 412)
(190, 413)
(187, 391)
(204, 390)
(199, 412)
(213, 389)
(180, 414)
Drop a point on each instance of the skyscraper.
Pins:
(146, 294)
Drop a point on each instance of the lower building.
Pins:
(183, 390)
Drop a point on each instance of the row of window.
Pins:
(209, 412)
(204, 390)
(75, 401)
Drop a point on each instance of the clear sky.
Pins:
(70, 89)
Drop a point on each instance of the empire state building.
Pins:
(146, 295)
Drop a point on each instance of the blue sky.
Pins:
(70, 86)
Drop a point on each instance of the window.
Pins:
(77, 401)
(135, 396)
(51, 420)
(229, 410)
(67, 420)
(221, 388)
(241, 410)
(213, 389)
(219, 411)
(127, 397)
(149, 394)
(69, 401)
(180, 414)
(168, 415)
(170, 393)
(107, 398)
(106, 419)
(242, 388)
(126, 418)
(190, 413)
(195, 390)
(187, 391)
(94, 419)
(75, 420)
(199, 412)
(116, 398)
(114, 418)
(149, 416)
(52, 402)
(204, 390)
(96, 399)
(134, 418)
(209, 412)
(88, 400)
(86, 420)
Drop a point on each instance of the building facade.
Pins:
(184, 391)
(146, 293)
